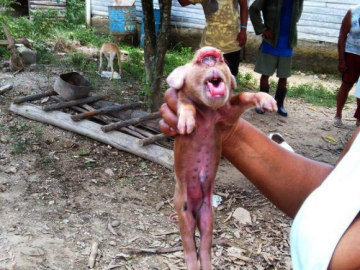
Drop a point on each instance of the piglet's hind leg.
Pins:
(205, 224)
(187, 224)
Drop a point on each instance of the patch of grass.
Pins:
(178, 56)
(314, 93)
(38, 134)
(47, 162)
(135, 67)
(19, 126)
(82, 153)
(86, 36)
(19, 144)
(245, 82)
(90, 163)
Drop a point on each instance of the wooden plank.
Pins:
(311, 37)
(92, 130)
(345, 2)
(48, 3)
(57, 8)
(319, 31)
(324, 11)
(321, 18)
(99, 13)
(320, 25)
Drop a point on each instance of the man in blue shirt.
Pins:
(279, 38)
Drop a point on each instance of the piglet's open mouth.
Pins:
(215, 86)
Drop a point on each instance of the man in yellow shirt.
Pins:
(225, 27)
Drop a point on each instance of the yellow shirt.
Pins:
(222, 24)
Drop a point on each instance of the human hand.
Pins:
(168, 123)
(242, 37)
(268, 34)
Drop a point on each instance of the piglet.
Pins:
(203, 88)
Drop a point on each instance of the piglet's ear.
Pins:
(176, 78)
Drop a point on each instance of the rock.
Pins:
(216, 200)
(3, 139)
(28, 56)
(109, 172)
(112, 243)
(242, 215)
(5, 88)
(11, 170)
(107, 74)
(34, 67)
(115, 223)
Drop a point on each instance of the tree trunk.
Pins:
(155, 47)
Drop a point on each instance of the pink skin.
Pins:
(204, 98)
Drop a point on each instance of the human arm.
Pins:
(344, 30)
(184, 3)
(244, 15)
(285, 178)
(301, 7)
(255, 16)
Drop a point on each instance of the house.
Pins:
(320, 21)
(318, 28)
(27, 7)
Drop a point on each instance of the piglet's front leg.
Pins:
(259, 100)
(186, 114)
(230, 113)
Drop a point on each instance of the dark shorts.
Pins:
(352, 73)
(233, 60)
(266, 64)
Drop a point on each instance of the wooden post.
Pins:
(153, 139)
(88, 13)
(33, 97)
(122, 107)
(67, 104)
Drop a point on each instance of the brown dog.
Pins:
(110, 50)
(204, 86)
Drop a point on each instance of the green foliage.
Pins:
(44, 23)
(86, 36)
(178, 56)
(75, 12)
(314, 93)
(5, 11)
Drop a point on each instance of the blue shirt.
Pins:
(282, 46)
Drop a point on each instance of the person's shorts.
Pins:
(326, 214)
(352, 73)
(266, 64)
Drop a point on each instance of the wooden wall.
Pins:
(58, 5)
(320, 21)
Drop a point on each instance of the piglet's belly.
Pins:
(195, 168)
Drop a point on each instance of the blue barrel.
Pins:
(157, 24)
(122, 20)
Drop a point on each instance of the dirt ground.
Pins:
(60, 191)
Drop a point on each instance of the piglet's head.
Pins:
(206, 79)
